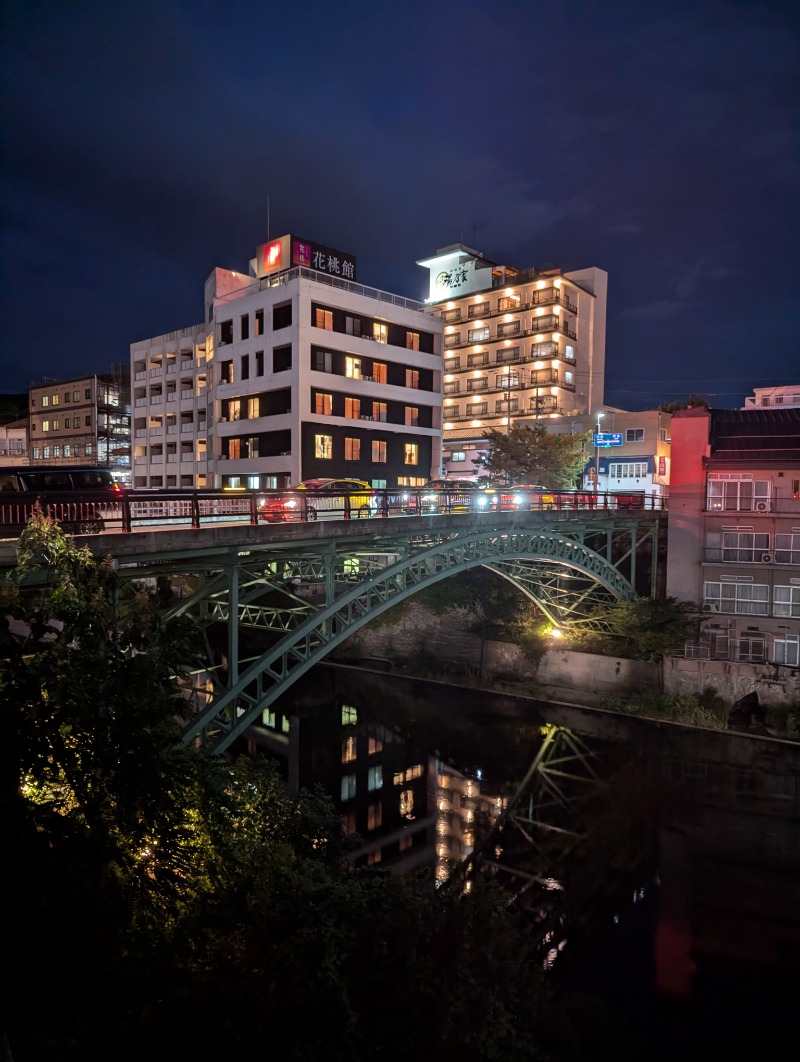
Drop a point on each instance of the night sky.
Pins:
(146, 143)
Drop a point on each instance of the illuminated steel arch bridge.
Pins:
(307, 588)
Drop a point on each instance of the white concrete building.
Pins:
(519, 345)
(298, 372)
(786, 396)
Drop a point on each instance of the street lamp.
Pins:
(600, 415)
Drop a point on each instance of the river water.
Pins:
(699, 953)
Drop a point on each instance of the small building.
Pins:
(734, 532)
(14, 440)
(83, 420)
(297, 372)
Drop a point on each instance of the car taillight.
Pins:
(117, 489)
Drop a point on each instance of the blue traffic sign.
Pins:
(607, 438)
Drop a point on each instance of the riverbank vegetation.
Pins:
(168, 900)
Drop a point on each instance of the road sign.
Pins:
(607, 438)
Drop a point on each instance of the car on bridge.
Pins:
(334, 499)
(445, 496)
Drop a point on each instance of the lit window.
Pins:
(375, 743)
(352, 408)
(323, 404)
(45, 425)
(411, 451)
(323, 319)
(412, 378)
(349, 715)
(373, 857)
(375, 778)
(55, 400)
(374, 816)
(458, 455)
(352, 449)
(379, 451)
(352, 367)
(323, 447)
(412, 340)
(380, 332)
(379, 411)
(45, 400)
(379, 371)
(348, 789)
(253, 408)
(412, 416)
(349, 749)
(407, 802)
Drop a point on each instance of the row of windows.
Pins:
(509, 356)
(44, 453)
(627, 470)
(752, 599)
(281, 318)
(538, 406)
(323, 449)
(323, 406)
(748, 546)
(365, 328)
(68, 396)
(69, 422)
(511, 303)
(748, 647)
(281, 361)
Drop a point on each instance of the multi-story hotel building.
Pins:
(82, 421)
(519, 345)
(734, 536)
(297, 372)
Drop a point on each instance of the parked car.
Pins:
(332, 498)
(451, 496)
(82, 498)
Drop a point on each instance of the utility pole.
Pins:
(597, 454)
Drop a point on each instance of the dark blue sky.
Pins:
(145, 143)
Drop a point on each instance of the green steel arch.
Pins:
(228, 715)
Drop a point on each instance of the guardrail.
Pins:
(91, 513)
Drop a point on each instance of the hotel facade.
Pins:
(297, 372)
(520, 346)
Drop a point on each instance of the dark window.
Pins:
(259, 363)
(281, 316)
(246, 367)
(226, 372)
(88, 422)
(211, 311)
(244, 326)
(322, 361)
(87, 393)
(225, 332)
(282, 358)
(259, 322)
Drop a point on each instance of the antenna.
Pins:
(267, 219)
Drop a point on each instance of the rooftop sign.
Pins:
(286, 252)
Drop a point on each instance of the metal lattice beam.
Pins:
(229, 715)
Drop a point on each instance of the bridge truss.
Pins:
(301, 599)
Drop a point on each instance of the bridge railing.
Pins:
(135, 510)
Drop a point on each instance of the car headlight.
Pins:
(517, 499)
(290, 503)
(483, 500)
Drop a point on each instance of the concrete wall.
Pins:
(732, 680)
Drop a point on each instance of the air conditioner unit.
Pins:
(763, 507)
(766, 558)
(223, 420)
(711, 607)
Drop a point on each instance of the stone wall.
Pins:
(775, 685)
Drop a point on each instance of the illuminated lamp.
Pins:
(476, 372)
(540, 284)
(539, 311)
(478, 324)
(539, 338)
(451, 306)
(556, 336)
(479, 298)
(553, 390)
(538, 365)
(509, 317)
(449, 328)
(448, 377)
(556, 283)
(448, 427)
(477, 349)
(504, 420)
(509, 291)
(475, 424)
(448, 354)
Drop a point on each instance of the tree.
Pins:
(165, 896)
(651, 627)
(531, 454)
(690, 402)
